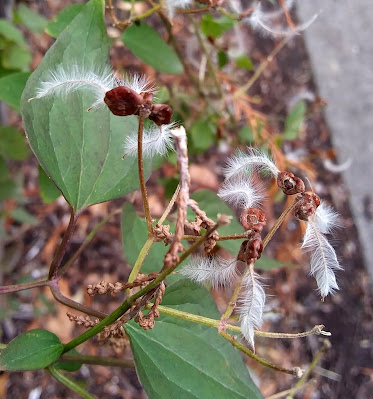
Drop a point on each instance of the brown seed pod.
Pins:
(290, 184)
(306, 206)
(251, 249)
(161, 114)
(123, 101)
(253, 219)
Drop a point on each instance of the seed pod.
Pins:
(123, 101)
(148, 97)
(306, 206)
(161, 114)
(251, 249)
(253, 219)
(290, 184)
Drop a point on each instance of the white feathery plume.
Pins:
(323, 259)
(172, 5)
(156, 140)
(138, 83)
(251, 307)
(242, 163)
(216, 270)
(263, 21)
(65, 81)
(241, 193)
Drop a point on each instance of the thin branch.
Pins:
(169, 206)
(68, 382)
(260, 360)
(5, 289)
(279, 221)
(140, 164)
(72, 304)
(281, 394)
(56, 262)
(220, 238)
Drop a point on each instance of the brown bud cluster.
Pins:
(123, 101)
(290, 184)
(253, 219)
(251, 249)
(306, 206)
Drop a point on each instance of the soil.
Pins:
(344, 371)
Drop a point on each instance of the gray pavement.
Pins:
(340, 45)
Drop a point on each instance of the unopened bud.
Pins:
(290, 184)
(306, 206)
(123, 101)
(253, 219)
(161, 114)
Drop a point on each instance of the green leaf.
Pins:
(66, 365)
(246, 134)
(294, 121)
(179, 359)
(222, 59)
(13, 144)
(145, 43)
(212, 205)
(215, 27)
(11, 33)
(244, 62)
(31, 19)
(11, 88)
(203, 134)
(134, 236)
(48, 190)
(58, 23)
(81, 151)
(8, 189)
(15, 57)
(4, 170)
(32, 350)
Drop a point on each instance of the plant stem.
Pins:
(103, 361)
(139, 261)
(281, 394)
(147, 13)
(56, 262)
(304, 377)
(127, 304)
(179, 314)
(257, 358)
(221, 238)
(279, 221)
(53, 284)
(261, 68)
(5, 289)
(63, 379)
(169, 206)
(87, 240)
(140, 164)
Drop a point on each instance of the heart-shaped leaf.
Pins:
(32, 350)
(81, 151)
(179, 359)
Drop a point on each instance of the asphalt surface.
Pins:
(340, 45)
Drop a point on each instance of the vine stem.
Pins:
(68, 382)
(326, 345)
(56, 262)
(279, 221)
(103, 361)
(127, 304)
(260, 360)
(140, 164)
(221, 238)
(6, 289)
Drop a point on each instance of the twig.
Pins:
(180, 140)
(140, 164)
(169, 207)
(103, 361)
(5, 289)
(56, 262)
